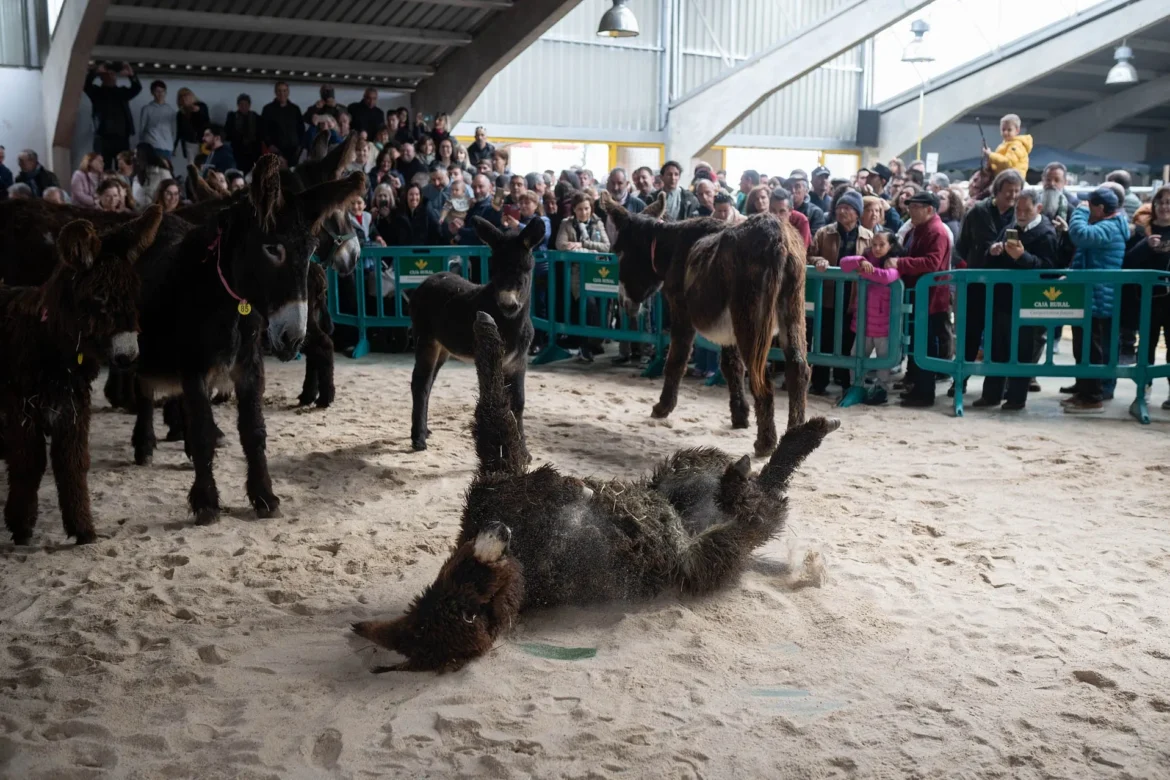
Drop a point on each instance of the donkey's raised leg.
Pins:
(731, 364)
(499, 442)
(682, 338)
(515, 385)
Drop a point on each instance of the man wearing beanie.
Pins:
(841, 238)
(1098, 230)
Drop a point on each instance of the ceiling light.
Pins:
(618, 22)
(916, 50)
(1122, 72)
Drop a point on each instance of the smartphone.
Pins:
(512, 211)
(1013, 234)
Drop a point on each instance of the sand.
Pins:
(984, 597)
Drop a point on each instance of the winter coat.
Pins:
(481, 208)
(111, 106)
(877, 296)
(800, 222)
(243, 133)
(1141, 256)
(157, 126)
(282, 127)
(980, 228)
(475, 153)
(1041, 250)
(368, 118)
(928, 250)
(221, 159)
(543, 245)
(189, 127)
(39, 180)
(1100, 247)
(84, 186)
(1011, 154)
(1132, 203)
(688, 205)
(815, 214)
(826, 245)
(410, 169)
(593, 240)
(414, 228)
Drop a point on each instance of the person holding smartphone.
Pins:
(1152, 253)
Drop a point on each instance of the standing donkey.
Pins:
(209, 298)
(738, 286)
(443, 310)
(52, 338)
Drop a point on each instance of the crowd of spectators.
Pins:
(888, 221)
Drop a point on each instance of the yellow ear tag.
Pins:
(80, 357)
(244, 308)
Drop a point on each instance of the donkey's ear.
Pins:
(320, 146)
(78, 244)
(266, 193)
(200, 189)
(657, 208)
(142, 232)
(533, 233)
(489, 233)
(317, 203)
(614, 210)
(339, 159)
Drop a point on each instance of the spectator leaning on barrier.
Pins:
(877, 267)
(926, 249)
(680, 203)
(1099, 230)
(1152, 252)
(844, 236)
(282, 125)
(1034, 247)
(414, 223)
(984, 223)
(798, 183)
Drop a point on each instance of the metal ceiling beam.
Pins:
(488, 5)
(137, 14)
(201, 59)
(1060, 93)
(1146, 44)
(1073, 128)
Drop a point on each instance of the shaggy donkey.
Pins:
(541, 539)
(209, 296)
(738, 286)
(443, 312)
(51, 340)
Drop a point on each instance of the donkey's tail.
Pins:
(497, 434)
(756, 358)
(796, 445)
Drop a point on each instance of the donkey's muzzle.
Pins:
(287, 327)
(124, 349)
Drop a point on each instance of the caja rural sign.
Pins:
(1052, 302)
(414, 270)
(601, 278)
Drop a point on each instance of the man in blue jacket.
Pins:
(1098, 229)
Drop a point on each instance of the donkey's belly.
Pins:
(719, 331)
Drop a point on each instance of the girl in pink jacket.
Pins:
(875, 268)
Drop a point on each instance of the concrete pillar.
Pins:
(1071, 129)
(461, 77)
(954, 98)
(63, 77)
(698, 120)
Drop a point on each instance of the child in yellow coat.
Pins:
(1014, 151)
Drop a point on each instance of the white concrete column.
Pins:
(63, 77)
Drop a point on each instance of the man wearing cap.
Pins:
(821, 189)
(879, 177)
(798, 184)
(243, 133)
(1098, 229)
(846, 236)
(926, 249)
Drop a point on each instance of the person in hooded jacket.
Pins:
(1035, 247)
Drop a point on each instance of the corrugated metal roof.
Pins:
(170, 42)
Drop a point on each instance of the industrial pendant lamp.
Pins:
(1122, 72)
(916, 50)
(618, 22)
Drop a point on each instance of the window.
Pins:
(55, 7)
(13, 33)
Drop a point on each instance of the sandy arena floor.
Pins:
(995, 605)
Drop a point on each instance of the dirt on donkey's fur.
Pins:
(542, 539)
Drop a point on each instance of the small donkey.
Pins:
(443, 311)
(52, 339)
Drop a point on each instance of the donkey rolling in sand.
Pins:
(443, 311)
(51, 340)
(737, 286)
(542, 539)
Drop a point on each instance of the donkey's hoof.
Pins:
(220, 439)
(306, 399)
(661, 411)
(143, 459)
(739, 423)
(86, 537)
(266, 506)
(765, 448)
(21, 540)
(174, 434)
(418, 445)
(208, 516)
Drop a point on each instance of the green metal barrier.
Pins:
(834, 355)
(575, 281)
(411, 265)
(1042, 299)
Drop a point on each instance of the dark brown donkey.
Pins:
(52, 339)
(738, 286)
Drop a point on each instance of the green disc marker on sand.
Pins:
(541, 650)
